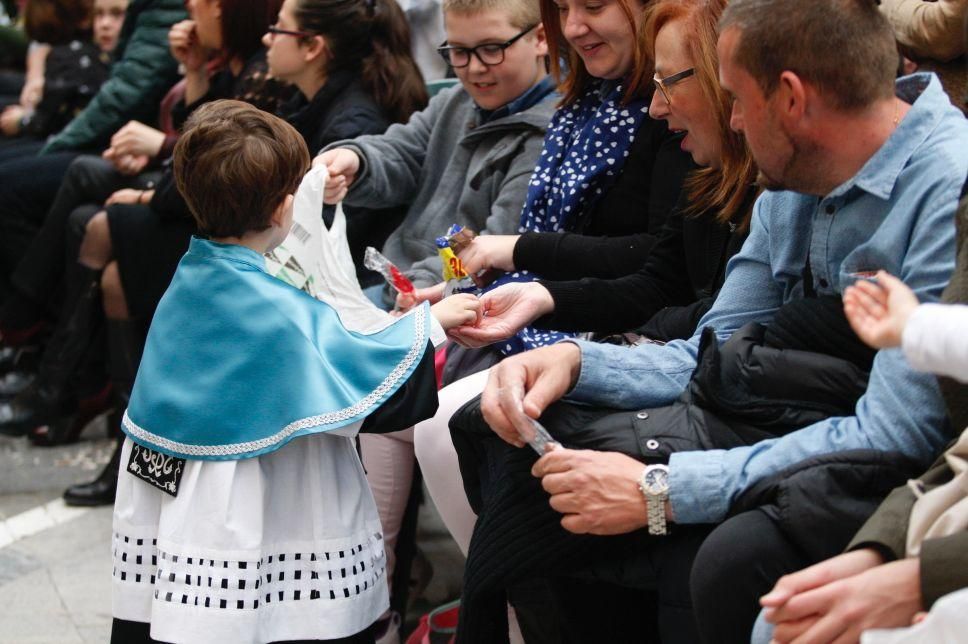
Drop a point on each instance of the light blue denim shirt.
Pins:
(896, 214)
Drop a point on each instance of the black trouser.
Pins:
(740, 561)
(127, 632)
(27, 189)
(88, 180)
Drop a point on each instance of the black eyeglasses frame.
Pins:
(445, 50)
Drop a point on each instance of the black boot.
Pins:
(125, 344)
(49, 396)
(101, 490)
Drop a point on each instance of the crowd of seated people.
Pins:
(706, 226)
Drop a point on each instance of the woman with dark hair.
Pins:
(351, 62)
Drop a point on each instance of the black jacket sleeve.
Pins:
(612, 305)
(414, 401)
(616, 237)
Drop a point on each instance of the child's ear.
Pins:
(279, 215)
(540, 40)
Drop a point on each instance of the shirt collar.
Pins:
(928, 106)
(529, 99)
(208, 248)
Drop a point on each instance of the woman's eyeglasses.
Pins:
(276, 31)
(488, 54)
(664, 85)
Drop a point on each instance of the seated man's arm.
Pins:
(901, 411)
(650, 375)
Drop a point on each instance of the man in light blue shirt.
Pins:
(861, 176)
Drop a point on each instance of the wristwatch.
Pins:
(654, 485)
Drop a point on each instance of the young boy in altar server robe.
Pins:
(243, 514)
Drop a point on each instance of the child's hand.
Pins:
(461, 309)
(432, 294)
(879, 312)
(342, 164)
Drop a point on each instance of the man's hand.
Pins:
(342, 165)
(542, 376)
(135, 139)
(838, 599)
(598, 492)
(489, 251)
(879, 312)
(506, 310)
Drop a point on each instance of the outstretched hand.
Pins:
(505, 311)
(879, 312)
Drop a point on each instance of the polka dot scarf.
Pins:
(585, 149)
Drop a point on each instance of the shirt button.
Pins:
(829, 209)
(642, 415)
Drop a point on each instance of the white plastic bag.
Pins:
(318, 260)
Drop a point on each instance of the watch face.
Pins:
(656, 480)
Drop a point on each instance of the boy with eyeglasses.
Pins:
(468, 156)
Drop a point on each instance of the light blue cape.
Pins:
(237, 363)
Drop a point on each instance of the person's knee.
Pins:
(95, 249)
(112, 293)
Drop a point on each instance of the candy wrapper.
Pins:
(454, 274)
(531, 431)
(376, 261)
(458, 238)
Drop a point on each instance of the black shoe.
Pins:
(67, 428)
(36, 405)
(15, 382)
(22, 358)
(100, 491)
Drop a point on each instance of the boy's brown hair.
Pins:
(234, 165)
(520, 13)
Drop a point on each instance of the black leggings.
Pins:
(127, 632)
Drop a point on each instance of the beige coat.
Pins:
(933, 30)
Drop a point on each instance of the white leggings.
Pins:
(389, 460)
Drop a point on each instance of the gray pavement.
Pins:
(55, 562)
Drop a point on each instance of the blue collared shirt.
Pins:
(537, 93)
(896, 214)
